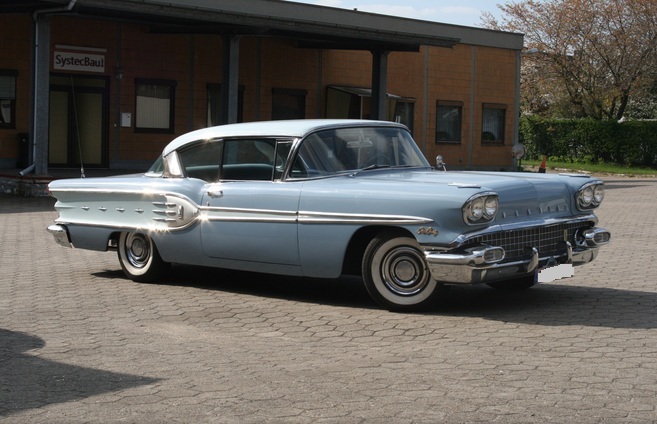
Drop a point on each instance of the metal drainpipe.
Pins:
(35, 17)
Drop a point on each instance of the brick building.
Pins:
(109, 83)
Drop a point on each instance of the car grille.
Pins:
(548, 240)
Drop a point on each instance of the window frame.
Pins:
(502, 123)
(9, 73)
(455, 104)
(401, 106)
(299, 94)
(213, 97)
(171, 84)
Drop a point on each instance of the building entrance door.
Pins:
(78, 122)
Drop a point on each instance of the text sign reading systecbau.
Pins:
(66, 61)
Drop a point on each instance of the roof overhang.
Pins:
(309, 25)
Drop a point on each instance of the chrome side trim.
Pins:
(210, 213)
(110, 191)
(213, 213)
(125, 227)
(306, 217)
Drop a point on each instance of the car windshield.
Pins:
(347, 150)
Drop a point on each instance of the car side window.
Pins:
(201, 160)
(323, 155)
(248, 159)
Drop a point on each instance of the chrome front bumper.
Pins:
(486, 263)
(61, 235)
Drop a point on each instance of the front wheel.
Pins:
(139, 257)
(396, 275)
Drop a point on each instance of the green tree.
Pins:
(584, 58)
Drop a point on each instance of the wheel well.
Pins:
(355, 250)
(113, 241)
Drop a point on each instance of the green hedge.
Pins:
(630, 143)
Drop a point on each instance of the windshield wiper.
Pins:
(374, 166)
(378, 166)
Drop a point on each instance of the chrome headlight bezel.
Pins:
(480, 208)
(590, 195)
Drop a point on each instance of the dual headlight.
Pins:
(590, 195)
(480, 208)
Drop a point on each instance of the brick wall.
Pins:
(192, 61)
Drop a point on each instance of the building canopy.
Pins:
(309, 25)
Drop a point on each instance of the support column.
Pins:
(379, 84)
(230, 65)
(41, 94)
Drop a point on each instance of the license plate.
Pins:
(553, 273)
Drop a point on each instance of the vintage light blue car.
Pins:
(326, 198)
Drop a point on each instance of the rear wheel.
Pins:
(395, 273)
(139, 257)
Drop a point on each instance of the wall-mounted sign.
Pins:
(67, 61)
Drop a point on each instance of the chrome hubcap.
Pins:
(403, 272)
(138, 250)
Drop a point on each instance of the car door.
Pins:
(247, 214)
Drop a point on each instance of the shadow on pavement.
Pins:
(546, 304)
(346, 291)
(28, 382)
(556, 305)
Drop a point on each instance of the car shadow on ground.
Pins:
(345, 291)
(28, 381)
(554, 304)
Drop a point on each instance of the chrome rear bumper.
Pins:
(61, 234)
(485, 264)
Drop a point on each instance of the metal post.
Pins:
(379, 84)
(230, 65)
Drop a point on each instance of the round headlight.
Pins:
(598, 194)
(490, 206)
(476, 209)
(586, 197)
(481, 208)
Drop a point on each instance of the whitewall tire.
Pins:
(139, 257)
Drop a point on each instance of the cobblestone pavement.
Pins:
(81, 344)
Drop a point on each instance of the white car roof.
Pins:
(282, 128)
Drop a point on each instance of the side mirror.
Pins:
(440, 164)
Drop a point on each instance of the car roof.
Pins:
(282, 128)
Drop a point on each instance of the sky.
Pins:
(459, 12)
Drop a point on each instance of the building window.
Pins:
(7, 98)
(154, 107)
(288, 103)
(215, 105)
(405, 113)
(492, 123)
(449, 117)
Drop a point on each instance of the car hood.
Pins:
(521, 195)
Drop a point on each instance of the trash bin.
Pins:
(23, 160)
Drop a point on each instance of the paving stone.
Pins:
(79, 343)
